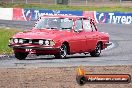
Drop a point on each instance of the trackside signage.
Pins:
(113, 17)
(33, 14)
(83, 78)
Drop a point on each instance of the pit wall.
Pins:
(33, 14)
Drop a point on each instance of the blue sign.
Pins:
(33, 14)
(114, 17)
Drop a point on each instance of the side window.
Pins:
(78, 25)
(87, 25)
(66, 24)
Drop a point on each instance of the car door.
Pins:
(90, 34)
(78, 38)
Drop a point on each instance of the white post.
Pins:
(26, 1)
(69, 2)
(55, 2)
(86, 2)
(120, 1)
(12, 1)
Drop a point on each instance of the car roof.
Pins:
(65, 16)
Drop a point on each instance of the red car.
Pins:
(59, 36)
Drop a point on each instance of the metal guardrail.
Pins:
(70, 2)
(17, 24)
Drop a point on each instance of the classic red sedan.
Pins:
(59, 36)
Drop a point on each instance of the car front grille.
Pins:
(30, 41)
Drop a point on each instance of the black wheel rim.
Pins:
(63, 51)
(98, 49)
(82, 81)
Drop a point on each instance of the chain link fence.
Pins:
(67, 2)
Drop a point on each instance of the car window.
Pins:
(87, 25)
(78, 25)
(66, 24)
(39, 23)
(54, 23)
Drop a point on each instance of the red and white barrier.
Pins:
(18, 14)
(32, 14)
(6, 13)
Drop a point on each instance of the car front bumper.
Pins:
(33, 47)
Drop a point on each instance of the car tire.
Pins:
(81, 80)
(21, 56)
(63, 52)
(97, 51)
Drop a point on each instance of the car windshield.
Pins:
(54, 23)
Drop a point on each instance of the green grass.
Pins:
(117, 8)
(5, 34)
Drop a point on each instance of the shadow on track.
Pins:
(53, 58)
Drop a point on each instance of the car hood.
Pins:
(40, 34)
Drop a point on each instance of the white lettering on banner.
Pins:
(28, 12)
(111, 14)
(115, 18)
(123, 20)
(120, 19)
(37, 14)
(129, 20)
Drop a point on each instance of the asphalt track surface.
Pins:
(120, 53)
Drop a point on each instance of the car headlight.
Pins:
(52, 43)
(20, 40)
(15, 40)
(41, 42)
(47, 42)
(11, 41)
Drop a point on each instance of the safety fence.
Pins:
(33, 14)
(69, 2)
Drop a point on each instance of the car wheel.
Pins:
(97, 51)
(63, 52)
(81, 80)
(21, 56)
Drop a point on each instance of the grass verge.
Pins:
(5, 35)
(116, 8)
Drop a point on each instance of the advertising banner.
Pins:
(33, 14)
(18, 14)
(90, 14)
(113, 17)
(99, 17)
